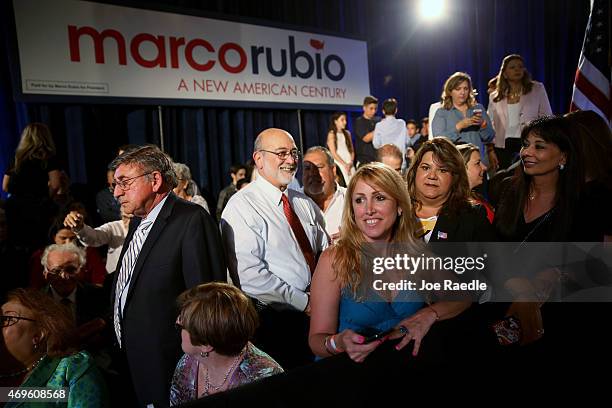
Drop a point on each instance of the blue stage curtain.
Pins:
(409, 59)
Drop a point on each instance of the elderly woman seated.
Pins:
(37, 332)
(216, 322)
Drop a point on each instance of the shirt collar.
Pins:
(152, 216)
(270, 191)
(58, 297)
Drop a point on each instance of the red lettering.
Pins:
(197, 84)
(221, 85)
(189, 54)
(182, 85)
(243, 58)
(98, 38)
(159, 42)
(175, 43)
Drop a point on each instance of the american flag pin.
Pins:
(442, 235)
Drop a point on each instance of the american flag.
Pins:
(592, 83)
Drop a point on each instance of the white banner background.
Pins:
(47, 68)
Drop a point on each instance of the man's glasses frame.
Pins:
(69, 270)
(126, 183)
(284, 155)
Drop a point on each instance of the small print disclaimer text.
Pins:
(38, 85)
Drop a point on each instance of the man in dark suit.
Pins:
(171, 245)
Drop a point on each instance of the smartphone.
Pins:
(371, 334)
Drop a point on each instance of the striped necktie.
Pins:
(125, 273)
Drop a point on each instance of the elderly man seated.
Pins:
(85, 302)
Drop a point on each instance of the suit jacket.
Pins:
(470, 225)
(90, 302)
(533, 105)
(182, 250)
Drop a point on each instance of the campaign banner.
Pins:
(80, 48)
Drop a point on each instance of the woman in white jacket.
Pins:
(516, 101)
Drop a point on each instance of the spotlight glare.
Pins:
(431, 9)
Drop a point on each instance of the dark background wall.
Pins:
(409, 59)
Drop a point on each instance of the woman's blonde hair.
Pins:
(36, 144)
(348, 249)
(453, 82)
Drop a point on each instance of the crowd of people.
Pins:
(183, 302)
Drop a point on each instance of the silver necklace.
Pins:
(208, 384)
(25, 370)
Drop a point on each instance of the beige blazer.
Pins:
(533, 105)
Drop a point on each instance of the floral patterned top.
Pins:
(255, 365)
(78, 373)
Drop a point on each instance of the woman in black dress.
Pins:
(31, 180)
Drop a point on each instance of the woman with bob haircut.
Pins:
(460, 118)
(344, 307)
(39, 334)
(216, 322)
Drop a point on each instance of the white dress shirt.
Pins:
(333, 213)
(152, 216)
(391, 130)
(261, 248)
(112, 234)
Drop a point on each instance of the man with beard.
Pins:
(272, 237)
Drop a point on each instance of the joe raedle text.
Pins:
(446, 285)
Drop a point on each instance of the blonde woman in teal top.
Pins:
(36, 332)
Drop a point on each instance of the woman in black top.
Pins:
(539, 204)
(31, 180)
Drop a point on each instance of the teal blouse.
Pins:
(78, 373)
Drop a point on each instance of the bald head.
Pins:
(270, 134)
(276, 157)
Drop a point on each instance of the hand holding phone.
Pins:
(371, 335)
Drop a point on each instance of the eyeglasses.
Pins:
(283, 155)
(11, 320)
(127, 182)
(69, 270)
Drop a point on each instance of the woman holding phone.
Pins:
(516, 101)
(461, 118)
(345, 311)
